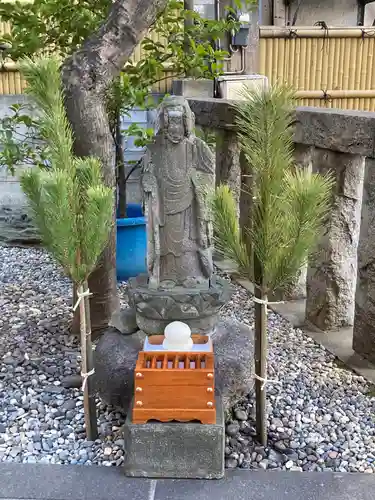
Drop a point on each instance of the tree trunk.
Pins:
(86, 77)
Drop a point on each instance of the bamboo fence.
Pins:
(329, 67)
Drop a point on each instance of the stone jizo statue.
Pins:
(178, 167)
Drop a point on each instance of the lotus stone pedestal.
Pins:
(198, 308)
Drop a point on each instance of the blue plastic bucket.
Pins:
(131, 243)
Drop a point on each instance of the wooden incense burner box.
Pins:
(175, 385)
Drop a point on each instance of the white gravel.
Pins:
(320, 415)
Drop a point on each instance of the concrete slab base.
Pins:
(174, 449)
(79, 482)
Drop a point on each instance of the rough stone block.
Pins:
(125, 321)
(115, 357)
(234, 361)
(175, 450)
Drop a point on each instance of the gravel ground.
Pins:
(321, 415)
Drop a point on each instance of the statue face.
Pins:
(174, 123)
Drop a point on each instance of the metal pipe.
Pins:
(243, 65)
(217, 10)
(217, 18)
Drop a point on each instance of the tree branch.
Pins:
(103, 55)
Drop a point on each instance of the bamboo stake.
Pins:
(87, 365)
(260, 351)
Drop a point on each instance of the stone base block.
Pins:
(175, 450)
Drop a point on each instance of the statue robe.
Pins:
(179, 230)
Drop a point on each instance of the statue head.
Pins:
(175, 119)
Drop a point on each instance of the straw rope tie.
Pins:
(85, 376)
(266, 302)
(266, 380)
(80, 296)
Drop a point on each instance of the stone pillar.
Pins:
(228, 167)
(364, 320)
(332, 273)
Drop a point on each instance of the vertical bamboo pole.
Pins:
(370, 60)
(330, 65)
(269, 59)
(87, 365)
(353, 71)
(359, 59)
(309, 58)
(340, 66)
(281, 61)
(297, 64)
(341, 63)
(275, 53)
(319, 63)
(366, 45)
(292, 50)
(302, 69)
(349, 69)
(5, 77)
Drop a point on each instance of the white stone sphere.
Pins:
(177, 337)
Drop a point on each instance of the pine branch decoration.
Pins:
(70, 205)
(288, 210)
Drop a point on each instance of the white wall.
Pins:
(333, 12)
